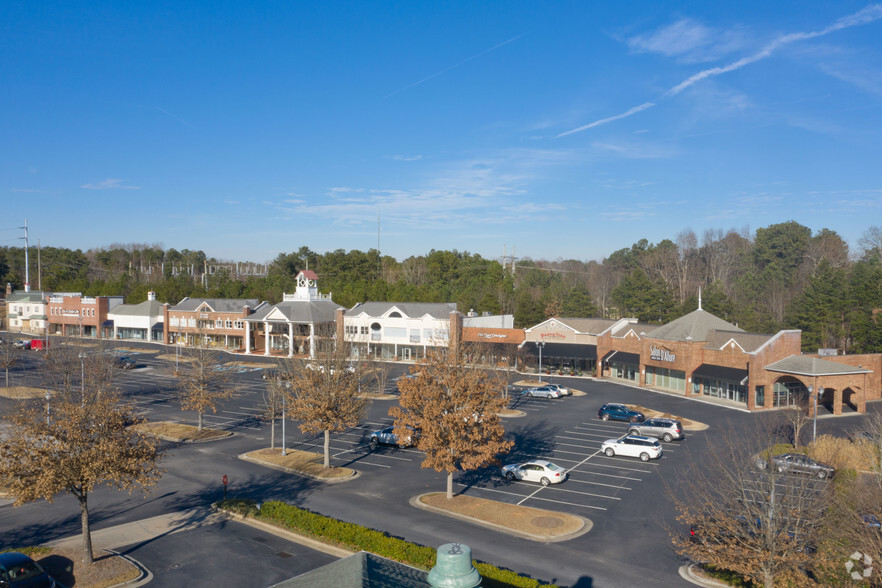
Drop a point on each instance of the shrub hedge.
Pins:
(359, 538)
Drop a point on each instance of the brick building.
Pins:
(212, 322)
(71, 314)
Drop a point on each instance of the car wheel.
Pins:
(822, 474)
(545, 481)
(530, 394)
(644, 456)
(610, 452)
(605, 417)
(509, 476)
(667, 438)
(374, 443)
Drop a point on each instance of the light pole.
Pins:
(815, 423)
(540, 345)
(48, 396)
(83, 375)
(284, 396)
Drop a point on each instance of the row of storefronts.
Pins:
(697, 355)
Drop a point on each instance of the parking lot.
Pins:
(623, 497)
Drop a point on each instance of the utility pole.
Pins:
(27, 284)
(39, 269)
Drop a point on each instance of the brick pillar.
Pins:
(455, 341)
(165, 333)
(338, 326)
(837, 401)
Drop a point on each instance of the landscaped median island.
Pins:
(688, 424)
(532, 523)
(22, 392)
(179, 432)
(305, 463)
(359, 538)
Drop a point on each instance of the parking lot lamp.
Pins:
(284, 396)
(540, 345)
(815, 422)
(48, 396)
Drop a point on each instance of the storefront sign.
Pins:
(544, 336)
(491, 336)
(661, 354)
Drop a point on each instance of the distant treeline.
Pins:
(782, 277)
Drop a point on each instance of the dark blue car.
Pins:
(620, 412)
(19, 571)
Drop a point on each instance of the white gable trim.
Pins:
(733, 343)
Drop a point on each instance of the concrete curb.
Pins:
(688, 573)
(587, 524)
(336, 480)
(278, 531)
(146, 575)
(179, 440)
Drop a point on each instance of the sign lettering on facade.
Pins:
(661, 354)
(491, 335)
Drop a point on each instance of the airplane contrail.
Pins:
(447, 69)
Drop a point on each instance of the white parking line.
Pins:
(250, 414)
(570, 479)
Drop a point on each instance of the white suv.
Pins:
(633, 446)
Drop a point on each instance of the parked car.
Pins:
(620, 412)
(270, 374)
(563, 390)
(538, 470)
(797, 463)
(22, 344)
(633, 446)
(664, 429)
(124, 362)
(17, 570)
(387, 436)
(541, 392)
(39, 344)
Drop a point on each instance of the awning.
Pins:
(718, 372)
(158, 326)
(107, 323)
(562, 350)
(623, 357)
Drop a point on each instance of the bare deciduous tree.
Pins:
(271, 408)
(87, 442)
(324, 395)
(203, 381)
(455, 408)
(747, 516)
(8, 357)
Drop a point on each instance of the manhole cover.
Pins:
(547, 522)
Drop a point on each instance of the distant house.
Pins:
(26, 311)
(139, 322)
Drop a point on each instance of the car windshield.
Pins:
(24, 570)
(554, 467)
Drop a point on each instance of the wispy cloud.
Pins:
(405, 157)
(690, 41)
(109, 184)
(454, 66)
(865, 16)
(28, 191)
(632, 150)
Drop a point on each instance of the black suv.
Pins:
(620, 412)
(664, 429)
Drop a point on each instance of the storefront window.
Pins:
(760, 396)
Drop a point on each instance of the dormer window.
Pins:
(395, 314)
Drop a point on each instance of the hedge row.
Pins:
(360, 538)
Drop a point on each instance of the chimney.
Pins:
(8, 288)
(453, 568)
(151, 296)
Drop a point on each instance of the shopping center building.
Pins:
(701, 355)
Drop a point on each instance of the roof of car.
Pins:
(13, 558)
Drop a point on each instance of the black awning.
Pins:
(157, 326)
(561, 350)
(719, 372)
(107, 323)
(623, 357)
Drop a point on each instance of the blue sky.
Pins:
(564, 129)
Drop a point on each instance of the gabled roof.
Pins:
(32, 296)
(748, 342)
(438, 310)
(588, 326)
(694, 326)
(361, 570)
(217, 304)
(804, 365)
(298, 311)
(639, 329)
(146, 308)
(308, 274)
